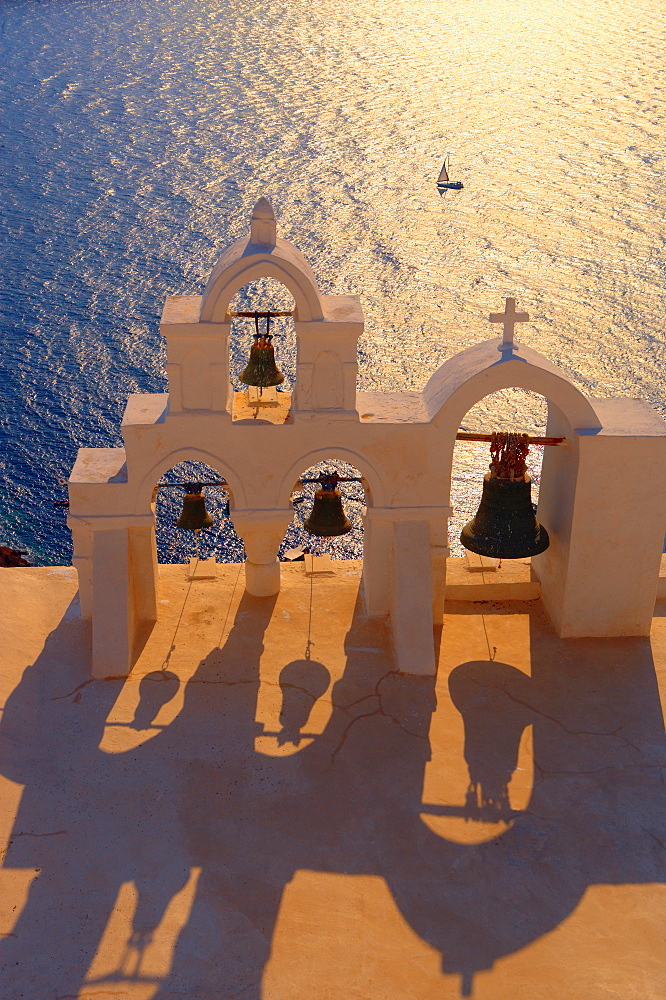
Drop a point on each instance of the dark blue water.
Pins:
(137, 135)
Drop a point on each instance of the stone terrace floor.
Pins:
(238, 820)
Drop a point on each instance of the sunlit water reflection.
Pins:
(137, 136)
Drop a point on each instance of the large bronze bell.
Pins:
(261, 370)
(327, 517)
(505, 525)
(194, 515)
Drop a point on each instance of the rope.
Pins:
(165, 664)
(231, 601)
(491, 653)
(310, 642)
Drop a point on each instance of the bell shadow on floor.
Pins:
(199, 797)
(596, 813)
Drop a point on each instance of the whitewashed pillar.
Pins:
(327, 361)
(602, 500)
(197, 357)
(411, 599)
(114, 616)
(123, 590)
(377, 556)
(262, 532)
(439, 553)
(82, 560)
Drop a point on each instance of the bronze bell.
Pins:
(194, 515)
(261, 370)
(327, 517)
(505, 525)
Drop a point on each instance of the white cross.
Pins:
(509, 318)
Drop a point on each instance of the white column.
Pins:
(262, 533)
(114, 615)
(378, 554)
(123, 593)
(83, 563)
(377, 558)
(411, 599)
(143, 557)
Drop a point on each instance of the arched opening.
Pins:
(178, 545)
(263, 295)
(354, 498)
(519, 410)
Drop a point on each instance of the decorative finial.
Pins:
(508, 318)
(262, 224)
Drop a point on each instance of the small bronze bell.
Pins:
(261, 370)
(327, 517)
(194, 515)
(505, 525)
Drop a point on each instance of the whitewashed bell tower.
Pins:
(197, 330)
(603, 492)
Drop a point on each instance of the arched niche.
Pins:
(243, 263)
(466, 378)
(177, 545)
(153, 476)
(374, 486)
(262, 294)
(519, 410)
(470, 376)
(354, 499)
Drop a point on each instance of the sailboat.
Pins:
(443, 181)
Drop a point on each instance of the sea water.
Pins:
(137, 134)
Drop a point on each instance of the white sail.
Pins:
(443, 175)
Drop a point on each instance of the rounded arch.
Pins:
(284, 262)
(515, 409)
(468, 377)
(167, 461)
(375, 492)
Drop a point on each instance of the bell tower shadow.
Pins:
(595, 816)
